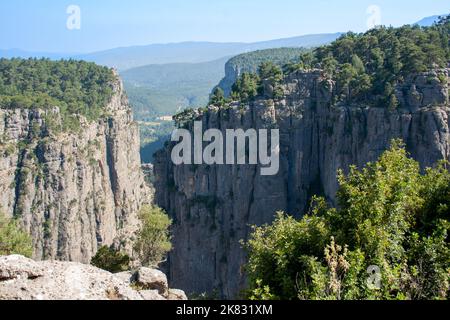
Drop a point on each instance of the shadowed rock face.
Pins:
(73, 192)
(213, 206)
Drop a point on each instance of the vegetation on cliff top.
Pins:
(250, 62)
(389, 216)
(76, 87)
(366, 67)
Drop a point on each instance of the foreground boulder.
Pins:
(153, 280)
(24, 279)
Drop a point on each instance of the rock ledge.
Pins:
(24, 279)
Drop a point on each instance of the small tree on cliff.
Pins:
(13, 239)
(153, 240)
(218, 97)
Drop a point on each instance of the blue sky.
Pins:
(40, 25)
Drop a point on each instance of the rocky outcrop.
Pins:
(213, 206)
(151, 279)
(25, 279)
(73, 190)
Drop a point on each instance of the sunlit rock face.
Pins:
(72, 191)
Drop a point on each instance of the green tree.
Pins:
(246, 87)
(307, 60)
(13, 239)
(153, 240)
(388, 214)
(270, 71)
(358, 64)
(111, 260)
(329, 65)
(76, 87)
(218, 97)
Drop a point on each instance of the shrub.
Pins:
(389, 215)
(153, 240)
(111, 260)
(13, 239)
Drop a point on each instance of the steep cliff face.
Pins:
(232, 73)
(73, 191)
(213, 206)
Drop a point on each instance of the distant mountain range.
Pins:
(18, 53)
(185, 52)
(428, 21)
(161, 89)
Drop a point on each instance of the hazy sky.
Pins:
(41, 25)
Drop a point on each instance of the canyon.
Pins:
(214, 206)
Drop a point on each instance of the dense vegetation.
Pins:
(249, 63)
(150, 247)
(13, 240)
(366, 67)
(76, 87)
(389, 215)
(153, 240)
(371, 64)
(111, 260)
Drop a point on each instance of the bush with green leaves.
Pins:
(153, 239)
(13, 239)
(109, 259)
(389, 215)
(217, 97)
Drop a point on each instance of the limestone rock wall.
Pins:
(72, 191)
(213, 207)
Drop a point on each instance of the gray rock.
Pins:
(24, 279)
(175, 294)
(78, 191)
(61, 281)
(19, 267)
(126, 276)
(151, 295)
(212, 206)
(152, 279)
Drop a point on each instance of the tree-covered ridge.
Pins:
(365, 67)
(250, 62)
(76, 87)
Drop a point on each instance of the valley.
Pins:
(305, 168)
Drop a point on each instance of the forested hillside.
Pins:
(366, 68)
(250, 61)
(162, 90)
(76, 87)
